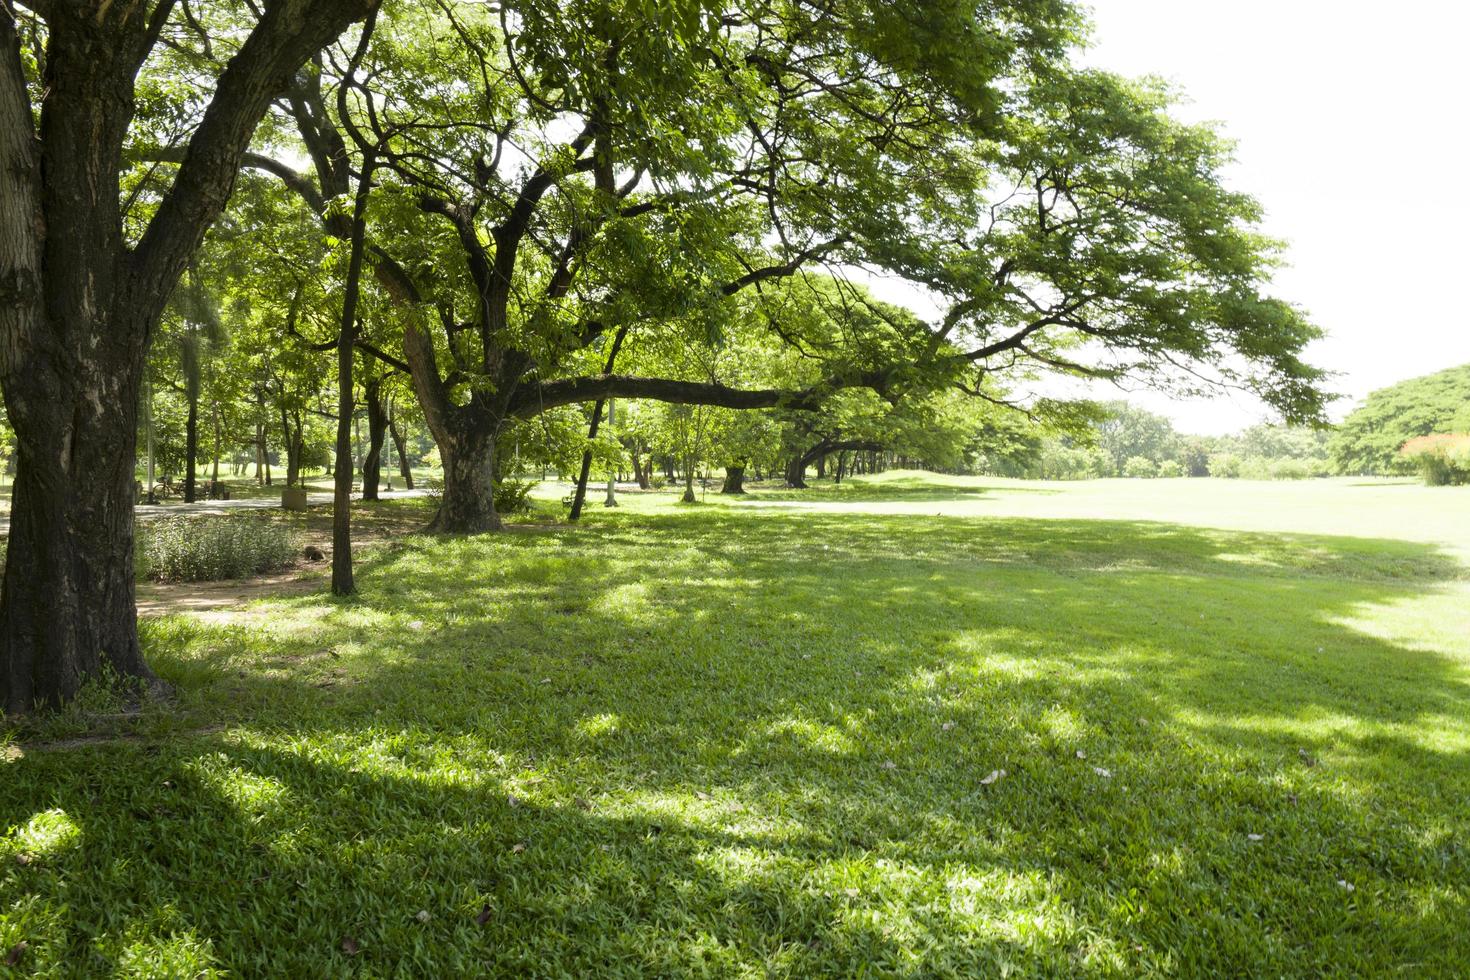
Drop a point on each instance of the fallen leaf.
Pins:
(890, 764)
(483, 917)
(16, 952)
(349, 946)
(423, 915)
(1345, 884)
(513, 801)
(995, 776)
(1104, 773)
(417, 624)
(1306, 758)
(24, 859)
(519, 847)
(701, 795)
(581, 804)
(1255, 837)
(947, 726)
(1081, 754)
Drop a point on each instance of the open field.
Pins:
(913, 726)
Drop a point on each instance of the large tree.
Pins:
(569, 170)
(79, 294)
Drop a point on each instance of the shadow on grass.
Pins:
(716, 742)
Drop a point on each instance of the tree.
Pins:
(1127, 432)
(79, 297)
(1368, 440)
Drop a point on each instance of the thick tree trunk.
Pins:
(796, 473)
(372, 460)
(734, 480)
(822, 467)
(66, 605)
(468, 505)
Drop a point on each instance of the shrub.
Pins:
(1225, 465)
(513, 495)
(196, 549)
(1171, 468)
(1443, 458)
(1140, 467)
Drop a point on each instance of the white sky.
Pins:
(1353, 122)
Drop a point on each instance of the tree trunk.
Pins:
(796, 473)
(403, 466)
(66, 605)
(822, 467)
(468, 505)
(689, 497)
(372, 460)
(214, 474)
(191, 436)
(734, 480)
(342, 583)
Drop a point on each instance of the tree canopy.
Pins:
(1369, 439)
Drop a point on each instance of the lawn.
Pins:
(917, 726)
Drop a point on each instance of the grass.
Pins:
(765, 737)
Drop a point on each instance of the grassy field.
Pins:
(915, 726)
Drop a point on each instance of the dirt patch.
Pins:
(158, 599)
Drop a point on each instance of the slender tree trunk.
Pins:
(372, 460)
(734, 480)
(403, 467)
(148, 408)
(580, 494)
(342, 583)
(214, 474)
(821, 467)
(191, 436)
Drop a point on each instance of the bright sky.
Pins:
(1353, 122)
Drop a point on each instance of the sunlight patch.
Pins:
(47, 833)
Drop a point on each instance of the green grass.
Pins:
(756, 737)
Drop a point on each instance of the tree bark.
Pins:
(372, 460)
(191, 440)
(398, 443)
(734, 480)
(77, 308)
(468, 505)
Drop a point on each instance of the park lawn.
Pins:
(768, 737)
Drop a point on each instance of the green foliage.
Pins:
(195, 549)
(1368, 440)
(1443, 459)
(1171, 469)
(1140, 467)
(513, 495)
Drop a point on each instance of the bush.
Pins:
(513, 495)
(1140, 468)
(1225, 465)
(1171, 468)
(197, 549)
(1443, 458)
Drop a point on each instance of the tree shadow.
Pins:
(743, 743)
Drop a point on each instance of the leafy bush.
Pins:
(1225, 465)
(196, 549)
(1140, 467)
(1171, 468)
(1443, 459)
(513, 495)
